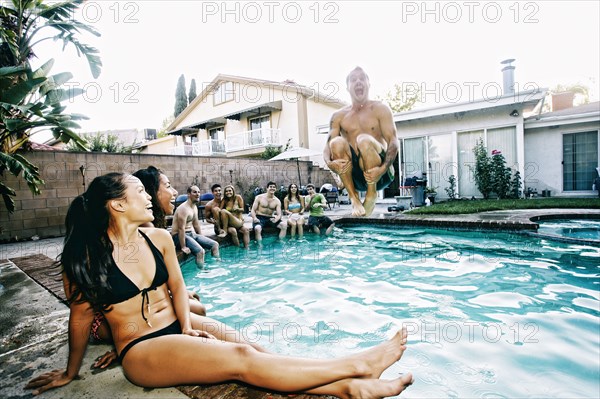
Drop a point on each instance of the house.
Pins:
(556, 151)
(157, 146)
(562, 149)
(125, 137)
(235, 116)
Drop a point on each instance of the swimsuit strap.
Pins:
(147, 300)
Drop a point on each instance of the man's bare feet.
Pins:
(369, 204)
(375, 388)
(357, 208)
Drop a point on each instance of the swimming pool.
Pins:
(586, 229)
(490, 315)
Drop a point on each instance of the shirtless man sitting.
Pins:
(362, 144)
(212, 211)
(186, 230)
(266, 212)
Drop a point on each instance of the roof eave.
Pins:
(523, 98)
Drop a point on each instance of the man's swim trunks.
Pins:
(265, 221)
(359, 178)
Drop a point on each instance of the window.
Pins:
(223, 93)
(504, 139)
(217, 139)
(439, 148)
(580, 159)
(414, 157)
(257, 125)
(261, 122)
(466, 163)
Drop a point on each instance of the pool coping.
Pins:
(514, 221)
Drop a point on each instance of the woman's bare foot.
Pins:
(382, 356)
(374, 388)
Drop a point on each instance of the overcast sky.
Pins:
(451, 50)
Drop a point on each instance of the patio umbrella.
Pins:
(297, 152)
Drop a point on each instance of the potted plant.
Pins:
(430, 192)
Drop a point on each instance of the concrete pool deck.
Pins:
(33, 320)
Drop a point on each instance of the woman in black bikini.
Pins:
(158, 186)
(107, 265)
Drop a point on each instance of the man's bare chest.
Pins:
(356, 123)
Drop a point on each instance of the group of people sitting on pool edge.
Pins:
(115, 243)
(226, 210)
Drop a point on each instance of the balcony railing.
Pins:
(252, 139)
(236, 142)
(209, 147)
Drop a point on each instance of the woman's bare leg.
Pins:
(225, 215)
(292, 224)
(144, 365)
(245, 236)
(227, 333)
(300, 227)
(234, 236)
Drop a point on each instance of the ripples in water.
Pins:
(489, 315)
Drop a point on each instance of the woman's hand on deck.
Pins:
(49, 380)
(105, 360)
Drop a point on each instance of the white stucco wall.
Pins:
(319, 114)
(487, 118)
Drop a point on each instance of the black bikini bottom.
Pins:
(172, 329)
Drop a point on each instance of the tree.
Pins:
(192, 93)
(180, 97)
(516, 185)
(501, 175)
(165, 124)
(400, 98)
(581, 94)
(31, 100)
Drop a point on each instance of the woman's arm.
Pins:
(286, 203)
(179, 296)
(80, 324)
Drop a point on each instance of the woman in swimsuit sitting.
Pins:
(232, 216)
(159, 187)
(111, 264)
(293, 206)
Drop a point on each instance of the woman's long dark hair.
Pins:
(289, 193)
(87, 251)
(150, 178)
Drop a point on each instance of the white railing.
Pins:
(209, 147)
(185, 149)
(252, 139)
(236, 142)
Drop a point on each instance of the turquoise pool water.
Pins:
(490, 315)
(582, 228)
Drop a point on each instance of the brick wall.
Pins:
(44, 215)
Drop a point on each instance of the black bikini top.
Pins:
(122, 288)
